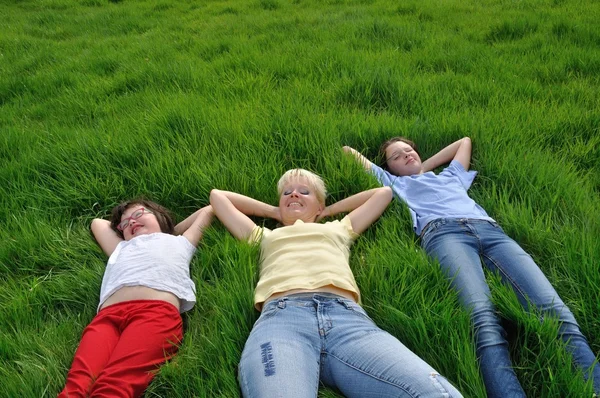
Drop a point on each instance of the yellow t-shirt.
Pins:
(304, 256)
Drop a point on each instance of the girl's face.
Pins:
(137, 220)
(402, 159)
(298, 201)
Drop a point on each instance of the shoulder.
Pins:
(258, 233)
(379, 172)
(164, 239)
(454, 168)
(457, 170)
(346, 225)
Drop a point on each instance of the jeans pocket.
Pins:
(495, 225)
(429, 230)
(354, 308)
(269, 310)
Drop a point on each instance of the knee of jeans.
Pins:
(487, 327)
(446, 389)
(484, 315)
(570, 330)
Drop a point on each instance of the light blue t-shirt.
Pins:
(430, 196)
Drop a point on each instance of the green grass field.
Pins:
(102, 101)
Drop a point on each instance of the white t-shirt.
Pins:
(159, 261)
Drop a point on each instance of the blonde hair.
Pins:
(311, 178)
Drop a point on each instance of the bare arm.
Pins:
(193, 227)
(364, 162)
(233, 210)
(106, 237)
(459, 150)
(364, 207)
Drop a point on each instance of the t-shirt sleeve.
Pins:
(384, 177)
(188, 247)
(113, 257)
(455, 169)
(347, 224)
(257, 234)
(387, 179)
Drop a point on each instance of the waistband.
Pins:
(443, 220)
(308, 296)
(139, 303)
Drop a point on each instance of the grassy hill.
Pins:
(102, 101)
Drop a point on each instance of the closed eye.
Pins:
(137, 214)
(301, 191)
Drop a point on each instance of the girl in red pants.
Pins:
(145, 287)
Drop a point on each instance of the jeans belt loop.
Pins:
(281, 303)
(432, 223)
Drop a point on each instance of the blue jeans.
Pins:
(305, 338)
(460, 245)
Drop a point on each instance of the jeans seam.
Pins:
(436, 383)
(514, 284)
(400, 386)
(242, 379)
(499, 268)
(349, 307)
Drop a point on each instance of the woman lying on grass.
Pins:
(311, 328)
(145, 287)
(458, 233)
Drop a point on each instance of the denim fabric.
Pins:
(302, 339)
(459, 245)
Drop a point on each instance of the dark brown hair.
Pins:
(165, 220)
(389, 142)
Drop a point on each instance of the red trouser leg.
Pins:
(151, 334)
(97, 343)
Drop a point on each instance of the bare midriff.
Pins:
(129, 293)
(323, 289)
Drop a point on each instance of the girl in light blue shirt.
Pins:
(458, 232)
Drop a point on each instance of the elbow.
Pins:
(387, 191)
(214, 196)
(466, 142)
(96, 222)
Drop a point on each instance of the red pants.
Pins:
(122, 348)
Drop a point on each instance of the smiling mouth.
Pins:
(294, 204)
(134, 229)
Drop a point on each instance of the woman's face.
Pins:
(402, 159)
(140, 221)
(298, 201)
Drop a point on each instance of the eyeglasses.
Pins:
(136, 214)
